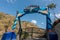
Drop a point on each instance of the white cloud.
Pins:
(34, 21)
(8, 1)
(47, 0)
(50, 0)
(11, 1)
(42, 23)
(57, 15)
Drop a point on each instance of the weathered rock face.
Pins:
(33, 30)
(5, 20)
(8, 20)
(57, 29)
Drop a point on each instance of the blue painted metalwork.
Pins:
(48, 20)
(49, 26)
(9, 36)
(15, 23)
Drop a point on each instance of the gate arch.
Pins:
(33, 9)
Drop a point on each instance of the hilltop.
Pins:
(8, 20)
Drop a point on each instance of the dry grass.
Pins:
(8, 20)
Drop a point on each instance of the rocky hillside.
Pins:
(32, 29)
(5, 20)
(8, 20)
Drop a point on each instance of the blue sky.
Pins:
(11, 6)
(38, 19)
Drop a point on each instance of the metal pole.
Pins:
(46, 28)
(20, 29)
(48, 24)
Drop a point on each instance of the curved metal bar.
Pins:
(48, 21)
